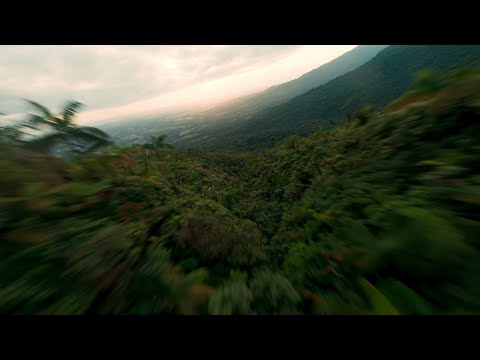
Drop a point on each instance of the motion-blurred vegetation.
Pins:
(377, 216)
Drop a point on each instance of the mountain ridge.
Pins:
(379, 81)
(280, 93)
(233, 112)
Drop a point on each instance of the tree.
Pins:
(78, 139)
(157, 144)
(155, 147)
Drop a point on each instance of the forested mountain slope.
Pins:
(280, 93)
(377, 82)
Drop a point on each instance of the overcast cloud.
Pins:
(121, 78)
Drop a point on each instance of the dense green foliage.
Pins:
(377, 216)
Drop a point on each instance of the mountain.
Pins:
(379, 81)
(237, 127)
(323, 74)
(277, 94)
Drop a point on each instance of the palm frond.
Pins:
(28, 126)
(43, 110)
(70, 110)
(34, 120)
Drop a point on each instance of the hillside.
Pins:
(280, 93)
(377, 82)
(377, 216)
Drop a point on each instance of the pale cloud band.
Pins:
(119, 81)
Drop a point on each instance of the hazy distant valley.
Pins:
(367, 75)
(205, 129)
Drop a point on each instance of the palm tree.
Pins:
(156, 145)
(80, 139)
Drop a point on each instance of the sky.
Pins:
(118, 81)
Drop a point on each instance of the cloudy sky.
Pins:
(123, 80)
